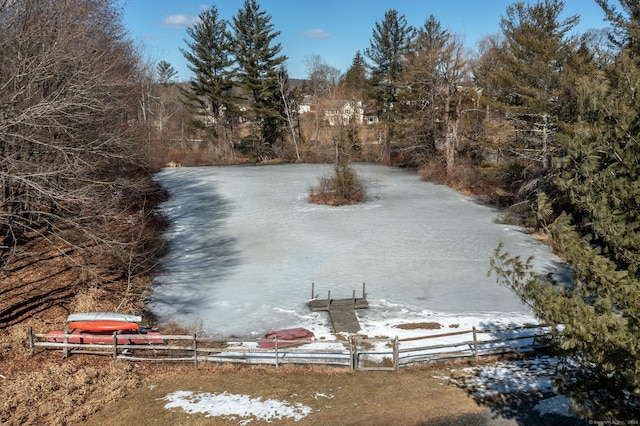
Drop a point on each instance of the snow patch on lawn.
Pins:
(519, 376)
(503, 377)
(233, 406)
(524, 376)
(556, 405)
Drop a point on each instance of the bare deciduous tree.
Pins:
(436, 71)
(322, 80)
(69, 158)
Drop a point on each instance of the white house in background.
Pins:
(338, 111)
(370, 117)
(341, 111)
(307, 104)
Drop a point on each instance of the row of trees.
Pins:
(239, 78)
(557, 115)
(71, 167)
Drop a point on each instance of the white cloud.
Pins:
(316, 33)
(179, 21)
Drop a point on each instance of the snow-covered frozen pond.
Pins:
(245, 246)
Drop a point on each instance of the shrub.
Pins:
(343, 187)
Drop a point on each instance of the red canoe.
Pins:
(106, 338)
(287, 337)
(104, 325)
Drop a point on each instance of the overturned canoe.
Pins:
(103, 316)
(286, 337)
(103, 325)
(105, 338)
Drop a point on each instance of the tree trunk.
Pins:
(449, 148)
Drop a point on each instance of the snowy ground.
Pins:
(235, 407)
(522, 376)
(525, 376)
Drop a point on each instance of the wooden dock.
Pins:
(341, 311)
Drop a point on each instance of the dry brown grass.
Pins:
(467, 178)
(336, 396)
(424, 326)
(60, 393)
(420, 325)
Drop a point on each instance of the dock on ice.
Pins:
(341, 311)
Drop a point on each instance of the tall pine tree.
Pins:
(210, 61)
(597, 318)
(391, 41)
(258, 60)
(166, 73)
(355, 79)
(529, 79)
(626, 33)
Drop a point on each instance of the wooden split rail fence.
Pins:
(356, 353)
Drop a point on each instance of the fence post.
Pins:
(396, 354)
(115, 346)
(30, 336)
(276, 348)
(475, 344)
(329, 300)
(354, 299)
(65, 350)
(351, 354)
(195, 350)
(313, 285)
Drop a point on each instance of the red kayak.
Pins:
(106, 338)
(104, 325)
(286, 337)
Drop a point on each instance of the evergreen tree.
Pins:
(209, 59)
(597, 318)
(391, 41)
(355, 79)
(529, 79)
(258, 60)
(625, 24)
(162, 98)
(166, 72)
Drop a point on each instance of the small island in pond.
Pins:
(344, 186)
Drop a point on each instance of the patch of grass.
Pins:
(335, 395)
(420, 325)
(63, 392)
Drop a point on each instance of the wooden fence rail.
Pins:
(356, 353)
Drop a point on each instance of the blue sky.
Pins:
(332, 29)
